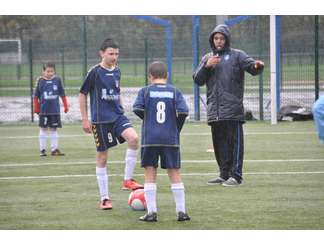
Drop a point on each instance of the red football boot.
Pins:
(131, 184)
(106, 204)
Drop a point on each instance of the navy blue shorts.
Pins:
(107, 135)
(51, 121)
(169, 157)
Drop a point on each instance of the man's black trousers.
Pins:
(228, 145)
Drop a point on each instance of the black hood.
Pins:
(223, 29)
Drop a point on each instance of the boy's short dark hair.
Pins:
(158, 69)
(48, 65)
(108, 43)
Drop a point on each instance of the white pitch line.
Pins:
(120, 175)
(36, 136)
(53, 164)
(280, 133)
(186, 134)
(183, 161)
(259, 133)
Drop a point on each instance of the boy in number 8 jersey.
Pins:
(163, 111)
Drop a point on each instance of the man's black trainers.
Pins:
(182, 216)
(231, 182)
(149, 217)
(57, 152)
(43, 153)
(216, 181)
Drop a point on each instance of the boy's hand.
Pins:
(65, 104)
(87, 127)
(258, 64)
(66, 109)
(36, 105)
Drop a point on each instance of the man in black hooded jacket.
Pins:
(222, 70)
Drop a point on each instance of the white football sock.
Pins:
(179, 196)
(102, 179)
(54, 140)
(42, 139)
(130, 163)
(150, 196)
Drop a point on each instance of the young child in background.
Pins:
(46, 104)
(163, 110)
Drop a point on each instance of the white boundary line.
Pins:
(120, 175)
(187, 134)
(183, 161)
(36, 136)
(259, 133)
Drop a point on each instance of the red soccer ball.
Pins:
(136, 200)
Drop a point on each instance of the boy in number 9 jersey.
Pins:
(108, 123)
(163, 110)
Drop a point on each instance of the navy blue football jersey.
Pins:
(162, 104)
(48, 92)
(104, 88)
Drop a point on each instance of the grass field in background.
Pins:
(293, 72)
(133, 75)
(282, 189)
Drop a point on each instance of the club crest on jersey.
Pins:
(226, 57)
(54, 87)
(117, 83)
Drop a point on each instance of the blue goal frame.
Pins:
(168, 38)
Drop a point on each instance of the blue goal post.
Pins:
(168, 38)
(195, 62)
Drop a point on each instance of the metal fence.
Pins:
(72, 42)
